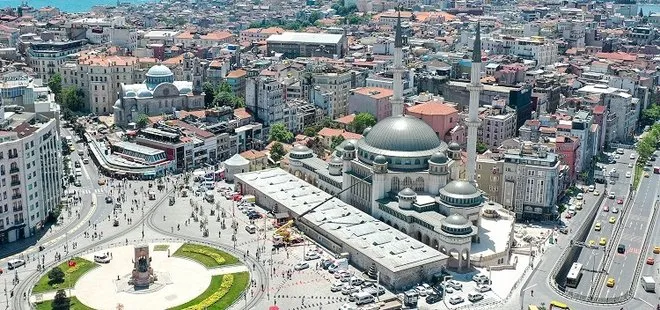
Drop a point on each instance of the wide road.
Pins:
(635, 228)
(651, 270)
(592, 259)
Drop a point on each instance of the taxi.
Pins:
(602, 241)
(650, 261)
(646, 174)
(656, 250)
(612, 220)
(610, 282)
(596, 193)
(592, 243)
(597, 226)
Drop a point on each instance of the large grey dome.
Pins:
(460, 187)
(401, 134)
(159, 70)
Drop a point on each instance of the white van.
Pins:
(363, 298)
(15, 263)
(78, 172)
(104, 259)
(251, 229)
(571, 210)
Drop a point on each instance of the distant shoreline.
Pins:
(68, 6)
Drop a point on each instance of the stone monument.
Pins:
(142, 275)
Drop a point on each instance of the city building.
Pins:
(544, 52)
(302, 44)
(158, 95)
(372, 100)
(441, 116)
(335, 83)
(264, 97)
(498, 123)
(253, 35)
(46, 57)
(32, 173)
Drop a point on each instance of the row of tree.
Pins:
(71, 98)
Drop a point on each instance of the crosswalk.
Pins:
(88, 191)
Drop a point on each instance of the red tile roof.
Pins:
(253, 154)
(241, 113)
(374, 92)
(599, 109)
(346, 119)
(432, 108)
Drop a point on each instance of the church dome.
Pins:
(159, 71)
(184, 90)
(380, 159)
(454, 146)
(401, 134)
(439, 158)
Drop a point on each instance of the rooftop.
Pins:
(304, 37)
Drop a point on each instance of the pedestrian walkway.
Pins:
(88, 191)
(50, 295)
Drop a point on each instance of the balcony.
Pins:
(13, 155)
(17, 209)
(17, 196)
(14, 170)
(15, 182)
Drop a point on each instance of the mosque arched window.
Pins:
(395, 184)
(419, 184)
(407, 182)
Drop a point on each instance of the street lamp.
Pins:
(444, 288)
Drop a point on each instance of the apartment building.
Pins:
(489, 175)
(30, 174)
(531, 182)
(264, 97)
(533, 48)
(302, 44)
(337, 83)
(258, 34)
(47, 57)
(622, 109)
(372, 100)
(498, 123)
(187, 39)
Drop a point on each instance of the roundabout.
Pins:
(184, 277)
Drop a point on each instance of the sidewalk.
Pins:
(50, 295)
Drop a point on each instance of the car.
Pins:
(621, 249)
(619, 151)
(597, 226)
(630, 165)
(646, 174)
(356, 281)
(620, 201)
(348, 306)
(568, 215)
(345, 277)
(374, 290)
(579, 196)
(102, 258)
(340, 273)
(617, 156)
(611, 195)
(454, 284)
(301, 266)
(650, 261)
(612, 219)
(628, 174)
(563, 230)
(433, 298)
(311, 255)
(455, 300)
(108, 199)
(77, 183)
(610, 282)
(632, 156)
(656, 250)
(591, 188)
(602, 241)
(101, 181)
(474, 297)
(483, 288)
(349, 289)
(448, 289)
(336, 286)
(615, 210)
(422, 291)
(77, 164)
(479, 277)
(596, 193)
(592, 243)
(606, 209)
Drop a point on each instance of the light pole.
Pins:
(444, 288)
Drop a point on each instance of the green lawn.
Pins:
(239, 284)
(75, 305)
(639, 171)
(71, 275)
(161, 247)
(205, 255)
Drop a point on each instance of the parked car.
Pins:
(103, 259)
(455, 300)
(422, 291)
(483, 288)
(108, 199)
(474, 297)
(615, 210)
(336, 286)
(433, 298)
(301, 266)
(620, 201)
(563, 230)
(479, 277)
(375, 290)
(454, 284)
(349, 289)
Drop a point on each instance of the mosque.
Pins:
(159, 94)
(402, 174)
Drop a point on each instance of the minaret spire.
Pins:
(473, 121)
(398, 69)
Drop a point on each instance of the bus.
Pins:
(574, 275)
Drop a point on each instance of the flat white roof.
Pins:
(304, 37)
(385, 245)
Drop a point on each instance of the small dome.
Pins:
(380, 160)
(145, 94)
(456, 219)
(349, 147)
(130, 93)
(341, 145)
(336, 160)
(184, 90)
(462, 188)
(439, 158)
(300, 148)
(300, 151)
(366, 131)
(159, 70)
(454, 146)
(407, 192)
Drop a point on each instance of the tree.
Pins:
(336, 140)
(362, 121)
(56, 275)
(481, 147)
(647, 145)
(224, 88)
(73, 98)
(61, 302)
(223, 99)
(277, 151)
(55, 85)
(142, 121)
(209, 93)
(310, 131)
(650, 115)
(279, 133)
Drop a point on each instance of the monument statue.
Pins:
(143, 274)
